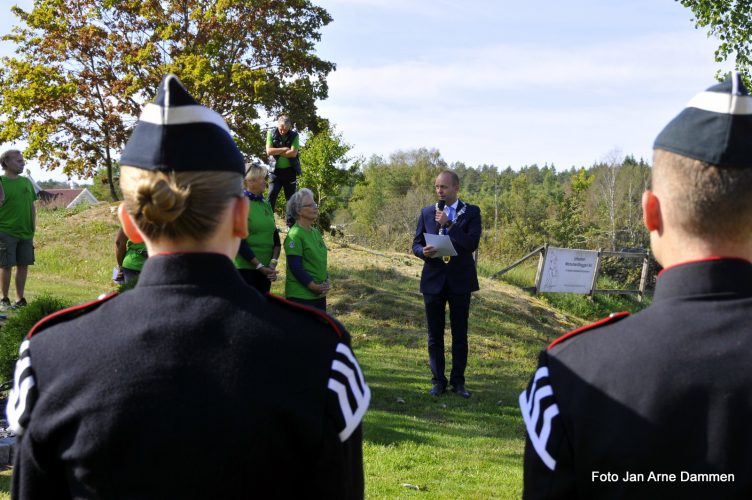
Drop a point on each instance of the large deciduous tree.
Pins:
(84, 68)
(731, 22)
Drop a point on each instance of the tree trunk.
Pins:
(110, 180)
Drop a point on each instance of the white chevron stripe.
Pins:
(530, 407)
(352, 416)
(18, 396)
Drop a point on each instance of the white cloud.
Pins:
(511, 104)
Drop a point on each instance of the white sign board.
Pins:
(567, 270)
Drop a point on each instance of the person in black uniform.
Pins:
(448, 280)
(658, 404)
(129, 396)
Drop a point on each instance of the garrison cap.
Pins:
(715, 127)
(176, 133)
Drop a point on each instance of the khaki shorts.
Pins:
(15, 252)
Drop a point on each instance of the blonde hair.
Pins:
(255, 171)
(178, 205)
(705, 200)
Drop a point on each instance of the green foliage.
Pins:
(100, 187)
(327, 171)
(18, 325)
(84, 68)
(588, 208)
(730, 21)
(387, 201)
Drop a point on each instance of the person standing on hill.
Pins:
(307, 278)
(257, 257)
(449, 279)
(658, 404)
(18, 219)
(192, 370)
(283, 144)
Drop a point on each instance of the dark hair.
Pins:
(4, 156)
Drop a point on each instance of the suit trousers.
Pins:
(459, 309)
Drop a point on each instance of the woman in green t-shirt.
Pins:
(130, 258)
(306, 280)
(258, 253)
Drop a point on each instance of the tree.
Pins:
(731, 22)
(84, 68)
(327, 170)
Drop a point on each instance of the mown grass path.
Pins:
(416, 446)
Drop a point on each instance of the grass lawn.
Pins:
(415, 445)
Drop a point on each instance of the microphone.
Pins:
(440, 208)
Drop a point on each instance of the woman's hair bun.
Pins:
(161, 201)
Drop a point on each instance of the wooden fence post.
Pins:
(595, 273)
(539, 272)
(644, 275)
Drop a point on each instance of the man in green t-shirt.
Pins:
(17, 225)
(283, 144)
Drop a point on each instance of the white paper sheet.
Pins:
(441, 243)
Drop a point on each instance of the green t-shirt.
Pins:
(282, 162)
(261, 227)
(135, 256)
(309, 244)
(17, 212)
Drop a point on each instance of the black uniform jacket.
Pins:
(459, 274)
(654, 405)
(192, 385)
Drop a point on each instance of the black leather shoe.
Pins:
(460, 390)
(437, 390)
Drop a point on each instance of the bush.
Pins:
(17, 327)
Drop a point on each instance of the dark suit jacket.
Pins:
(459, 273)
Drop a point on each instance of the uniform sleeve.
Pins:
(33, 475)
(548, 469)
(348, 398)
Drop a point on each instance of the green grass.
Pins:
(445, 447)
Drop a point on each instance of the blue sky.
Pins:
(508, 83)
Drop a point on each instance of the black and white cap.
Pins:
(715, 127)
(176, 133)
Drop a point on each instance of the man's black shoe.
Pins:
(437, 390)
(460, 390)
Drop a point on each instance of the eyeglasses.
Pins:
(312, 205)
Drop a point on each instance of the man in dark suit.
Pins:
(448, 279)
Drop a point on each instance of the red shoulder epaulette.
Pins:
(319, 314)
(611, 318)
(68, 313)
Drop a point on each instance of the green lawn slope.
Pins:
(416, 446)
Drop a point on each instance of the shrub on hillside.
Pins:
(18, 325)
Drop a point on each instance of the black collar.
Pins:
(211, 271)
(717, 276)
